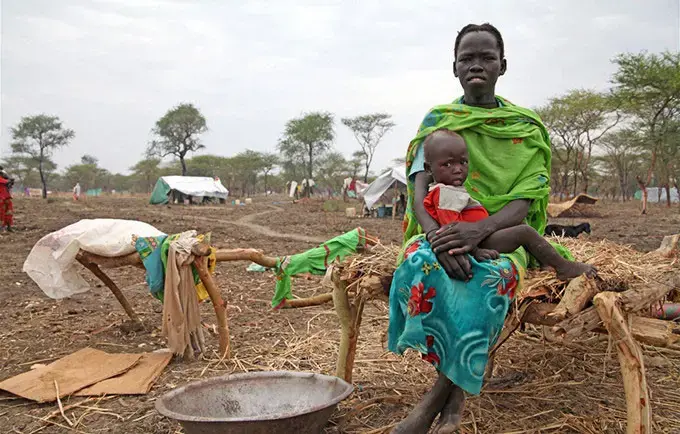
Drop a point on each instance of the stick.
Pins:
(222, 255)
(61, 407)
(94, 268)
(219, 305)
(632, 300)
(348, 335)
(256, 256)
(669, 246)
(317, 300)
(632, 363)
(578, 293)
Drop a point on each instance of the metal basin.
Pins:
(254, 403)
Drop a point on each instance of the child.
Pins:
(446, 159)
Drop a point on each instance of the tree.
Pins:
(146, 172)
(356, 163)
(25, 170)
(333, 169)
(178, 134)
(268, 162)
(38, 137)
(310, 135)
(369, 130)
(622, 155)
(88, 174)
(647, 87)
(577, 121)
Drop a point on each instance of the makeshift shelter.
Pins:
(194, 186)
(377, 188)
(576, 207)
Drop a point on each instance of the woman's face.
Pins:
(478, 64)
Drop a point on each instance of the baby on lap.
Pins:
(446, 159)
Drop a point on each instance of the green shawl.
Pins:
(509, 149)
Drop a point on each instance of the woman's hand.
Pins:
(458, 238)
(457, 267)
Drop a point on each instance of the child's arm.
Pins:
(423, 180)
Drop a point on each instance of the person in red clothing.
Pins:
(6, 208)
(448, 202)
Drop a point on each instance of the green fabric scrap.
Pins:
(314, 261)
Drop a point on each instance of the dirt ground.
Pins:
(543, 387)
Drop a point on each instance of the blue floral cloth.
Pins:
(451, 323)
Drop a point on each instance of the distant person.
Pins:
(76, 191)
(6, 207)
(402, 203)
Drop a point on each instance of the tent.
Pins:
(573, 208)
(377, 188)
(195, 186)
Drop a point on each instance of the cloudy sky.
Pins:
(110, 68)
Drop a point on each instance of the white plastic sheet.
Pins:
(197, 186)
(52, 261)
(377, 188)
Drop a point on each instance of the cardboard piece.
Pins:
(136, 381)
(71, 373)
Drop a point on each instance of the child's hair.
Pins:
(429, 137)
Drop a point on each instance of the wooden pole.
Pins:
(349, 315)
(218, 303)
(94, 268)
(222, 255)
(317, 300)
(394, 200)
(632, 363)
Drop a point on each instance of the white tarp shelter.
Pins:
(377, 188)
(195, 186)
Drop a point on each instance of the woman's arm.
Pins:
(456, 266)
(462, 238)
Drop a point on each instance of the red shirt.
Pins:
(448, 204)
(4, 189)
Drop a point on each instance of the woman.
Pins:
(443, 302)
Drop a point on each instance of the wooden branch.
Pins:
(669, 246)
(253, 255)
(578, 293)
(348, 336)
(222, 255)
(632, 300)
(649, 331)
(94, 268)
(219, 305)
(132, 259)
(317, 300)
(632, 363)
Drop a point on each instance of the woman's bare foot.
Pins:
(452, 413)
(569, 270)
(420, 419)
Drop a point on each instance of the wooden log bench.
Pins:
(620, 314)
(96, 264)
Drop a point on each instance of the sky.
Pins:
(110, 68)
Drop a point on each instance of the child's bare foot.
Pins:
(452, 413)
(485, 254)
(570, 270)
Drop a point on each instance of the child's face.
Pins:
(447, 158)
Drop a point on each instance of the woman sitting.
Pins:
(443, 302)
